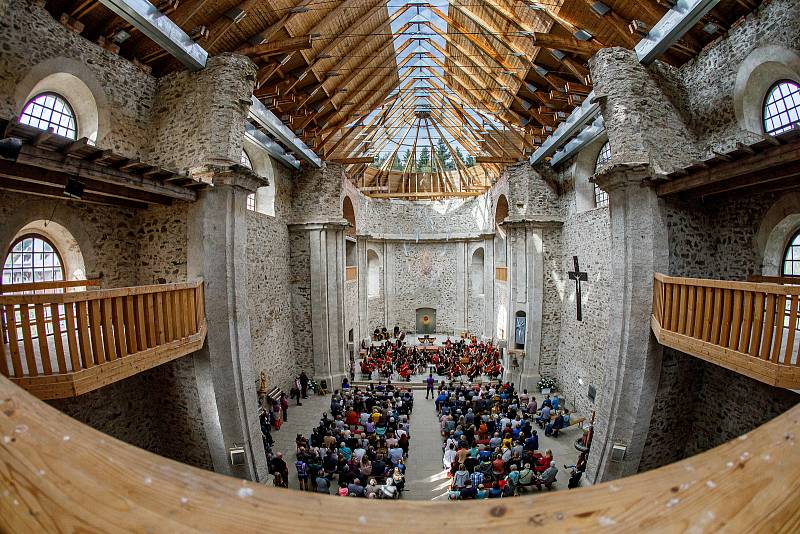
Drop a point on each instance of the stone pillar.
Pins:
(488, 286)
(326, 264)
(223, 367)
(639, 247)
(363, 280)
(526, 291)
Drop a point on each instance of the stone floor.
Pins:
(426, 479)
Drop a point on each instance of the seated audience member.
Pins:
(468, 491)
(549, 475)
(481, 493)
(323, 484)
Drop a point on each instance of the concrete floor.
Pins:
(425, 479)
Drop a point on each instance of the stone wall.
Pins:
(35, 45)
(445, 218)
(300, 269)
(269, 295)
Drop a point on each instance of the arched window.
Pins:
(251, 202)
(791, 259)
(782, 107)
(32, 258)
(600, 196)
(246, 160)
(49, 110)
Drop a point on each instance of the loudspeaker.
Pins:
(10, 148)
(74, 188)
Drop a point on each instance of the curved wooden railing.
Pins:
(748, 327)
(60, 345)
(59, 475)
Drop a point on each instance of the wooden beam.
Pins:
(566, 44)
(491, 159)
(50, 191)
(274, 48)
(353, 161)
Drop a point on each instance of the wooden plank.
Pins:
(41, 334)
(191, 310)
(96, 333)
(13, 339)
(107, 322)
(62, 298)
(3, 360)
(142, 330)
(153, 324)
(779, 320)
(199, 300)
(72, 338)
(736, 322)
(777, 289)
(58, 339)
(119, 327)
(699, 314)
(793, 310)
(708, 313)
(27, 339)
(682, 305)
(769, 327)
(727, 311)
(747, 322)
(758, 322)
(42, 286)
(164, 318)
(130, 318)
(716, 322)
(177, 313)
(186, 315)
(668, 306)
(691, 299)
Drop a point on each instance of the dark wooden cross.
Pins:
(579, 277)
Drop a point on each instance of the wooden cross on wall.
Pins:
(579, 277)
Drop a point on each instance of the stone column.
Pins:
(526, 291)
(326, 263)
(488, 286)
(632, 365)
(363, 280)
(224, 368)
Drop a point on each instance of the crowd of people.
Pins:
(490, 443)
(454, 359)
(359, 448)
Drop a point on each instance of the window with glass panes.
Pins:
(600, 196)
(33, 258)
(49, 110)
(782, 107)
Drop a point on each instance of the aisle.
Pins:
(426, 478)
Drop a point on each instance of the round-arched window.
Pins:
(791, 258)
(600, 196)
(246, 160)
(32, 258)
(782, 107)
(49, 110)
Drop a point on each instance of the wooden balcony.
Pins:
(63, 344)
(351, 273)
(747, 327)
(58, 472)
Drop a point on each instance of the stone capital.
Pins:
(233, 175)
(621, 175)
(532, 221)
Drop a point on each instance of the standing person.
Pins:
(429, 382)
(279, 467)
(304, 384)
(295, 391)
(302, 474)
(285, 407)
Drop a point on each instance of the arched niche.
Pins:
(757, 74)
(779, 225)
(500, 214)
(476, 271)
(64, 242)
(373, 274)
(77, 84)
(349, 213)
(264, 166)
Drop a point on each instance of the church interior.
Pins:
(262, 256)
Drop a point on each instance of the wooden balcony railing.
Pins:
(59, 345)
(58, 474)
(501, 273)
(351, 273)
(747, 327)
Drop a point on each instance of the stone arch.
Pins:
(61, 238)
(779, 224)
(500, 214)
(78, 85)
(264, 166)
(583, 168)
(476, 271)
(758, 72)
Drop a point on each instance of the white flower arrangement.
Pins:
(547, 383)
